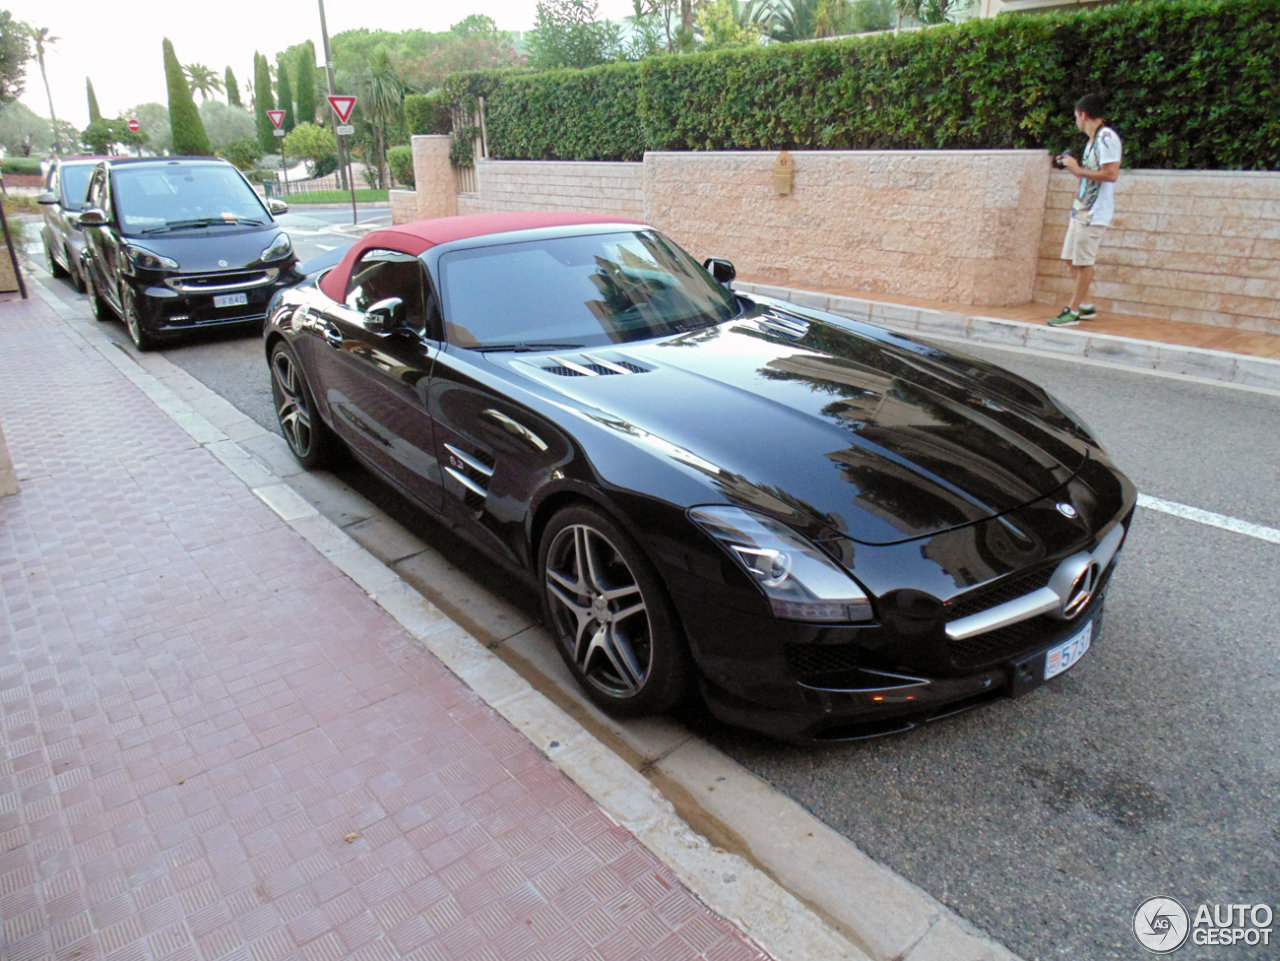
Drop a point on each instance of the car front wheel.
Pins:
(101, 310)
(308, 436)
(610, 616)
(132, 320)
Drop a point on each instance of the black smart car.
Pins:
(63, 199)
(177, 244)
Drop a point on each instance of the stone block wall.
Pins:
(950, 225)
(606, 188)
(404, 206)
(1202, 247)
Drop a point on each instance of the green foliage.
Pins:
(94, 112)
(400, 160)
(24, 132)
(154, 118)
(363, 195)
(225, 123)
(15, 51)
(427, 113)
(306, 92)
(98, 136)
(263, 101)
(233, 90)
(311, 142)
(244, 152)
(567, 34)
(1189, 84)
(29, 166)
(189, 137)
(284, 95)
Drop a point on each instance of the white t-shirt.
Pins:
(1098, 196)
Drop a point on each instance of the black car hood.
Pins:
(210, 249)
(869, 434)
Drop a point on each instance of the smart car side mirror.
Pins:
(277, 206)
(384, 316)
(48, 197)
(93, 217)
(720, 269)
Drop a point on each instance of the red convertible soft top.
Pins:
(414, 238)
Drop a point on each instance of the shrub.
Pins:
(21, 165)
(243, 152)
(1189, 84)
(311, 142)
(400, 160)
(426, 113)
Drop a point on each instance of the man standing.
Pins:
(1093, 206)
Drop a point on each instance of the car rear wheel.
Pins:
(610, 616)
(55, 268)
(141, 339)
(77, 272)
(308, 436)
(98, 305)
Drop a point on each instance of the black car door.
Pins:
(104, 242)
(374, 382)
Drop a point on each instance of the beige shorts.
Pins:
(1081, 244)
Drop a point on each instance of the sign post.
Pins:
(277, 121)
(342, 107)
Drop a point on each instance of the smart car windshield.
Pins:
(183, 196)
(593, 290)
(75, 184)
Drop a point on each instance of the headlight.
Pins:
(281, 247)
(801, 582)
(145, 259)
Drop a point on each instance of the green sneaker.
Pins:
(1068, 318)
(1088, 312)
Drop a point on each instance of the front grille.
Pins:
(1007, 589)
(811, 660)
(217, 283)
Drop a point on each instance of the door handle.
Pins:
(333, 337)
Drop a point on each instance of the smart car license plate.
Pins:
(1066, 654)
(230, 300)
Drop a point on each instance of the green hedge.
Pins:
(1191, 84)
(400, 160)
(427, 113)
(21, 165)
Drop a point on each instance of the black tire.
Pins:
(55, 268)
(132, 322)
(310, 439)
(77, 273)
(98, 305)
(629, 665)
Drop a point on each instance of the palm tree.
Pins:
(41, 37)
(203, 80)
(383, 93)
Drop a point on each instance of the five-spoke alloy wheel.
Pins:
(307, 435)
(605, 606)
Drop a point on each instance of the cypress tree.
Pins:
(233, 90)
(189, 137)
(264, 101)
(306, 76)
(94, 112)
(285, 94)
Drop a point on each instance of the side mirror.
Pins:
(277, 206)
(48, 197)
(93, 217)
(720, 269)
(384, 316)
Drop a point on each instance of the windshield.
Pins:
(75, 184)
(577, 291)
(179, 196)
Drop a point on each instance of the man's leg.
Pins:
(1084, 278)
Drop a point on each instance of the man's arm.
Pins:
(1108, 173)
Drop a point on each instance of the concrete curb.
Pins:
(1072, 342)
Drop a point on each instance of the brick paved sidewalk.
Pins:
(215, 745)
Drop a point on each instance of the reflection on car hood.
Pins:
(203, 249)
(872, 435)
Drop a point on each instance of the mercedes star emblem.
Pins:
(1066, 510)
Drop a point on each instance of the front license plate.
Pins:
(1066, 654)
(230, 300)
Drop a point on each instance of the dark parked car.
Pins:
(833, 530)
(179, 244)
(65, 187)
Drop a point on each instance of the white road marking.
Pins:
(323, 247)
(1233, 524)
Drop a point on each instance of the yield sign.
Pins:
(277, 117)
(342, 106)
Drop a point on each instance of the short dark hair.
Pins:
(1091, 106)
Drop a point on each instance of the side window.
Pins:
(382, 273)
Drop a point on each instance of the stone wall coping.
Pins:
(564, 163)
(845, 153)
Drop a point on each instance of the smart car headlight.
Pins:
(280, 248)
(144, 259)
(801, 582)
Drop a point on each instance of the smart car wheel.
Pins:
(77, 272)
(98, 305)
(309, 439)
(141, 339)
(614, 626)
(55, 268)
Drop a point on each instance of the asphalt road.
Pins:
(1148, 769)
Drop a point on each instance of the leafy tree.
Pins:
(15, 51)
(233, 90)
(24, 132)
(382, 96)
(154, 119)
(306, 92)
(40, 37)
(262, 102)
(101, 136)
(225, 124)
(284, 94)
(719, 25)
(244, 153)
(94, 112)
(313, 143)
(189, 137)
(567, 34)
(203, 80)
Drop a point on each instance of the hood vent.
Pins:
(592, 365)
(473, 472)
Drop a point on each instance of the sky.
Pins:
(117, 43)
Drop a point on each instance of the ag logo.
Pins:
(1161, 925)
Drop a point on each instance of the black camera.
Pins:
(1057, 161)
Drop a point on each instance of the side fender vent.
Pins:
(593, 365)
(472, 470)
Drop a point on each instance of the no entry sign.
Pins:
(277, 117)
(135, 126)
(342, 106)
